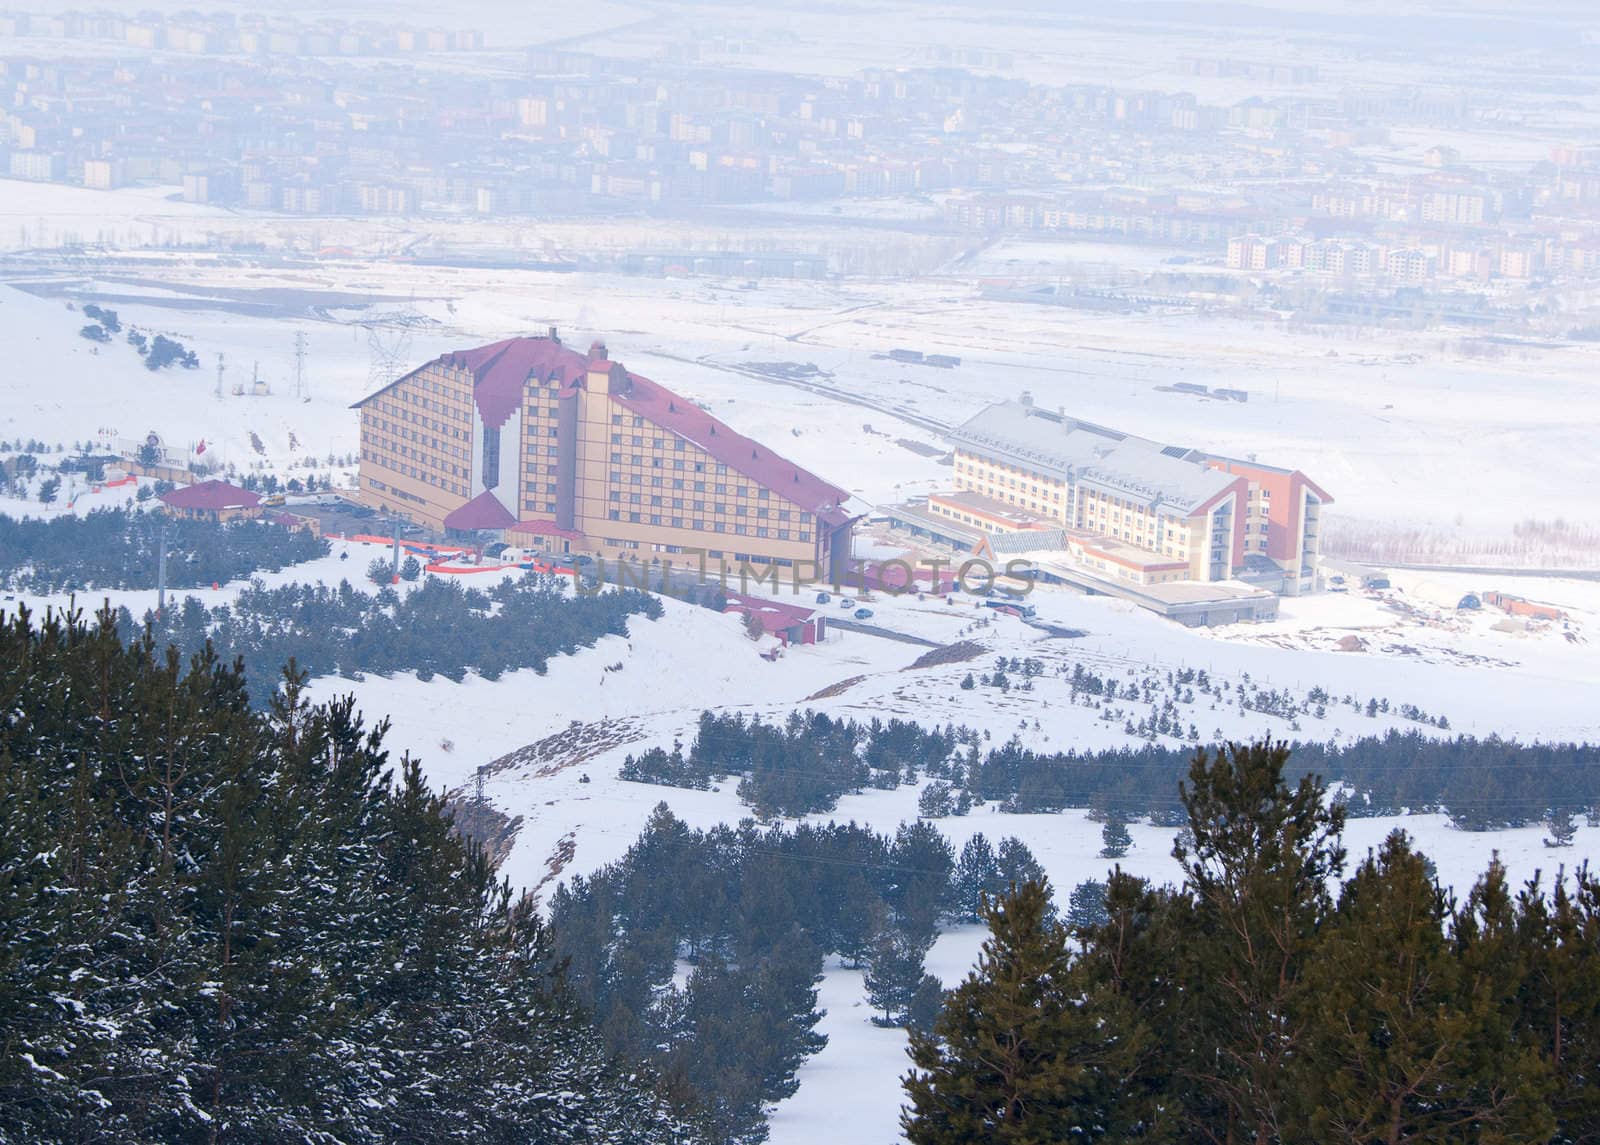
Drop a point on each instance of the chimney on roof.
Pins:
(597, 351)
(754, 456)
(1026, 399)
(672, 407)
(555, 337)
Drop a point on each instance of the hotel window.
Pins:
(633, 518)
(491, 456)
(616, 515)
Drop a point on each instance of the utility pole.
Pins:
(221, 365)
(161, 573)
(300, 365)
(394, 527)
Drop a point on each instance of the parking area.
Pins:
(347, 518)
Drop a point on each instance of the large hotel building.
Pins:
(1132, 509)
(570, 452)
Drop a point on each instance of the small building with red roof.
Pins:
(790, 623)
(212, 501)
(535, 441)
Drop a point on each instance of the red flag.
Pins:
(201, 448)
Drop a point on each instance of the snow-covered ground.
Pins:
(1393, 427)
(584, 717)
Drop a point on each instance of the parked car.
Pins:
(1010, 607)
(846, 602)
(863, 614)
(823, 598)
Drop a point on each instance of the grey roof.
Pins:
(1122, 464)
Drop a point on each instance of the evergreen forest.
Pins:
(219, 923)
(805, 765)
(1270, 999)
(118, 548)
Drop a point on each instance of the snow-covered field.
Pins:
(1393, 427)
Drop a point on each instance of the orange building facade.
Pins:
(571, 452)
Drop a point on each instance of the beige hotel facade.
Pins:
(570, 452)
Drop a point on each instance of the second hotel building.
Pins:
(572, 453)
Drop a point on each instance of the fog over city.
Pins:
(938, 418)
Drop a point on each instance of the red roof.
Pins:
(545, 529)
(482, 512)
(501, 370)
(211, 495)
(774, 617)
(739, 453)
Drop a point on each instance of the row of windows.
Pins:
(401, 425)
(379, 447)
(701, 525)
(416, 473)
(718, 508)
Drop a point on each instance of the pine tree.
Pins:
(1016, 1056)
(977, 875)
(1115, 839)
(1562, 827)
(1087, 905)
(1257, 876)
(894, 973)
(1389, 1047)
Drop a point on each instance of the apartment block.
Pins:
(1132, 508)
(570, 452)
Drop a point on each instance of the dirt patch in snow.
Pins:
(833, 690)
(577, 743)
(478, 820)
(958, 653)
